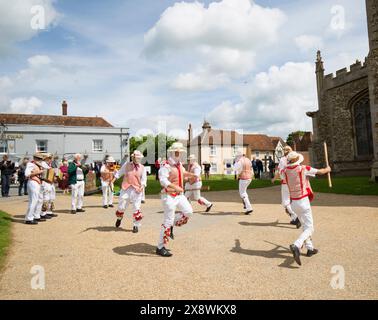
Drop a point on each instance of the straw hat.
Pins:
(177, 147)
(110, 160)
(39, 156)
(294, 158)
(137, 154)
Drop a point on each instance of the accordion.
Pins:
(48, 175)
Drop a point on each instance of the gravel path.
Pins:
(222, 255)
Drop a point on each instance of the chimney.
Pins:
(64, 108)
(190, 133)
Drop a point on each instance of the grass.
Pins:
(5, 235)
(346, 185)
(341, 185)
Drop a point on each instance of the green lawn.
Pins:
(5, 235)
(341, 185)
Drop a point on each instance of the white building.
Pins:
(62, 135)
(220, 147)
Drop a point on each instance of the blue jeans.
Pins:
(5, 184)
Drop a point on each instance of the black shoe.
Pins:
(247, 213)
(135, 229)
(46, 216)
(73, 211)
(105, 207)
(143, 201)
(310, 253)
(118, 223)
(20, 195)
(163, 252)
(171, 234)
(31, 222)
(296, 223)
(111, 206)
(209, 208)
(80, 210)
(25, 194)
(296, 254)
(41, 219)
(51, 215)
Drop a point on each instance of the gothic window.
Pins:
(363, 130)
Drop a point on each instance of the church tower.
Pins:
(372, 19)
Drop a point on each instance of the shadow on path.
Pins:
(278, 252)
(106, 229)
(268, 224)
(137, 249)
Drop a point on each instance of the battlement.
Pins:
(356, 71)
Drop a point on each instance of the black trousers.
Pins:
(23, 185)
(5, 184)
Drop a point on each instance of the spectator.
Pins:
(157, 167)
(271, 166)
(207, 166)
(254, 166)
(260, 168)
(7, 169)
(63, 177)
(23, 182)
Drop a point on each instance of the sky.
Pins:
(158, 65)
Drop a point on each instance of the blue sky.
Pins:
(241, 64)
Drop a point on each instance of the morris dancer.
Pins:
(76, 179)
(194, 184)
(134, 181)
(107, 182)
(297, 178)
(33, 173)
(47, 190)
(285, 195)
(243, 167)
(171, 177)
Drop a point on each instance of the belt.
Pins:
(80, 180)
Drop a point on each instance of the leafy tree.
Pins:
(290, 137)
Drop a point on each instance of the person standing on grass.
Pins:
(23, 182)
(76, 179)
(157, 167)
(194, 184)
(207, 166)
(285, 194)
(297, 179)
(7, 170)
(63, 177)
(243, 167)
(134, 180)
(254, 166)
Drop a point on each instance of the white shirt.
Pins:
(164, 172)
(29, 168)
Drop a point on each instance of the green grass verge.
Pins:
(5, 235)
(341, 185)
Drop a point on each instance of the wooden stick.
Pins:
(327, 164)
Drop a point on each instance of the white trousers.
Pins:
(130, 195)
(302, 208)
(77, 195)
(107, 194)
(286, 202)
(170, 204)
(34, 190)
(196, 196)
(243, 186)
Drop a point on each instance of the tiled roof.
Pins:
(259, 142)
(51, 120)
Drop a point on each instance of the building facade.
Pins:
(347, 118)
(220, 147)
(62, 135)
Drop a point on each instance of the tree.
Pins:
(291, 137)
(151, 146)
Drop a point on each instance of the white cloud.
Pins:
(274, 103)
(307, 42)
(15, 19)
(24, 105)
(222, 39)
